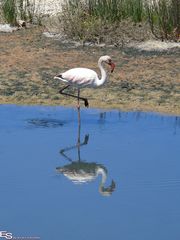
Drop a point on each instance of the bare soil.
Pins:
(141, 81)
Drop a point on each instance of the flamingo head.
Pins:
(107, 59)
(107, 191)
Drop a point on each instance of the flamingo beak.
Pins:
(112, 66)
(59, 76)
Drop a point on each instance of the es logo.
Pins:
(6, 235)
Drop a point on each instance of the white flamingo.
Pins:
(84, 172)
(85, 77)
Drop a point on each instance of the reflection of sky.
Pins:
(140, 152)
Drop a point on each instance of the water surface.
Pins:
(115, 178)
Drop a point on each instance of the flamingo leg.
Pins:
(61, 91)
(78, 106)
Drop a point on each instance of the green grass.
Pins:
(85, 19)
(80, 17)
(12, 10)
(9, 11)
(164, 18)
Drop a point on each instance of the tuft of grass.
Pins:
(164, 18)
(12, 10)
(82, 19)
(9, 11)
(90, 19)
(116, 10)
(78, 23)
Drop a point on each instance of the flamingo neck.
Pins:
(103, 173)
(103, 74)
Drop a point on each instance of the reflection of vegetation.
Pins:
(45, 123)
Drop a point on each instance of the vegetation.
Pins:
(12, 10)
(85, 18)
(9, 11)
(26, 9)
(164, 18)
(90, 19)
(116, 10)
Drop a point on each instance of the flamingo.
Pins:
(85, 77)
(80, 171)
(84, 172)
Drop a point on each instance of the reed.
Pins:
(163, 15)
(116, 10)
(85, 18)
(164, 18)
(9, 11)
(12, 10)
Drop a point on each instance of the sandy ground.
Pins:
(141, 81)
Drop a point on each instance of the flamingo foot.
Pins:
(86, 104)
(78, 106)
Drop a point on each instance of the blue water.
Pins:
(137, 153)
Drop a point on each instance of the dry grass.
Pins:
(29, 61)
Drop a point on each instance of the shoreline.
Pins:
(105, 109)
(141, 82)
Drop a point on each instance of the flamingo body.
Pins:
(80, 77)
(84, 172)
(85, 77)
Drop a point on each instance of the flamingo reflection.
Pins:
(83, 172)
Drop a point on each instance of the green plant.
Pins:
(164, 18)
(176, 17)
(9, 11)
(26, 9)
(19, 9)
(116, 10)
(86, 17)
(105, 9)
(87, 20)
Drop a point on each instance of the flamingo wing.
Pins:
(81, 77)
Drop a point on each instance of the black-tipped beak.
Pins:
(112, 66)
(58, 76)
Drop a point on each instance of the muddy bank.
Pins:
(142, 80)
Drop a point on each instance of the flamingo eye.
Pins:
(109, 61)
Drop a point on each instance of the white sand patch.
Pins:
(153, 45)
(7, 28)
(52, 35)
(50, 7)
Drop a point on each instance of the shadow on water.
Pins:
(45, 123)
(79, 171)
(103, 118)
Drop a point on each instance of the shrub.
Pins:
(82, 18)
(9, 11)
(12, 10)
(164, 18)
